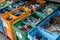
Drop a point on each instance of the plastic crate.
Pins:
(1, 24)
(32, 4)
(50, 27)
(42, 33)
(14, 6)
(22, 12)
(7, 24)
(35, 18)
(1, 27)
(21, 30)
(48, 18)
(5, 4)
(32, 34)
(8, 18)
(49, 8)
(2, 1)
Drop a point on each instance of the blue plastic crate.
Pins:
(1, 27)
(14, 6)
(40, 32)
(49, 34)
(34, 32)
(56, 13)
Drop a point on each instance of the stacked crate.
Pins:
(29, 21)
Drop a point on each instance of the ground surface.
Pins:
(2, 37)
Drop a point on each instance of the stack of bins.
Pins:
(35, 4)
(43, 32)
(20, 34)
(8, 18)
(51, 25)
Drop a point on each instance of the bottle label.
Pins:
(5, 24)
(19, 35)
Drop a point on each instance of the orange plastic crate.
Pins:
(1, 1)
(8, 25)
(26, 12)
(41, 3)
(8, 18)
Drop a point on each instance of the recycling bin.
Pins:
(7, 20)
(1, 27)
(32, 34)
(42, 34)
(21, 30)
(35, 18)
(35, 4)
(49, 8)
(9, 17)
(51, 25)
(21, 12)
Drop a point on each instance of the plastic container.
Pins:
(1, 27)
(1, 24)
(48, 18)
(21, 30)
(7, 24)
(2, 1)
(8, 18)
(14, 5)
(21, 12)
(42, 34)
(51, 25)
(35, 4)
(49, 8)
(35, 18)
(5, 4)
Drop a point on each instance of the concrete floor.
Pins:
(2, 37)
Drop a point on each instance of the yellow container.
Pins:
(41, 4)
(8, 18)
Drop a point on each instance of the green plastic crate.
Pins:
(20, 34)
(36, 16)
(5, 4)
(52, 5)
